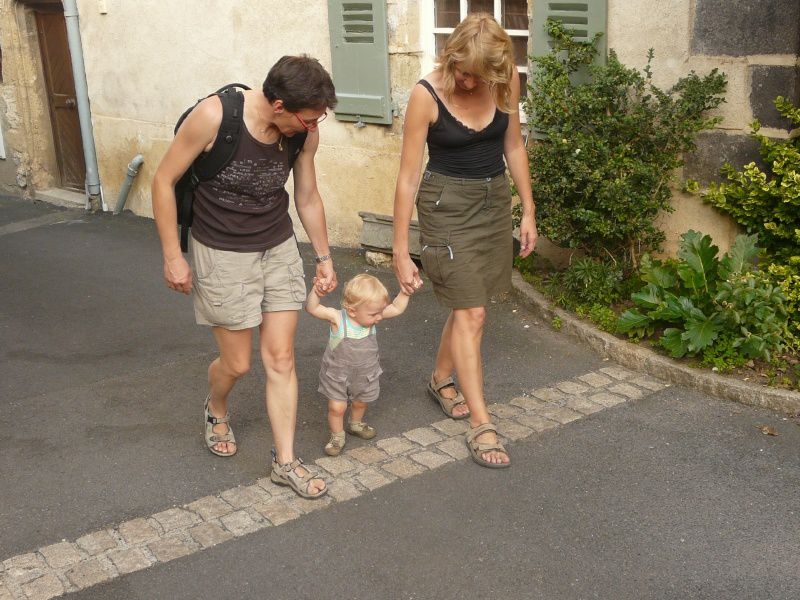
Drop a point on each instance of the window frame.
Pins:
(428, 32)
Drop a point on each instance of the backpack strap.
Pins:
(207, 165)
(295, 144)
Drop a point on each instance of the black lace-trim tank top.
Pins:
(458, 151)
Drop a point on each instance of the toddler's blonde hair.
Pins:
(486, 49)
(363, 288)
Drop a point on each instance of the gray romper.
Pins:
(350, 366)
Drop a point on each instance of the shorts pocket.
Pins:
(297, 282)
(223, 307)
(337, 375)
(374, 374)
(204, 259)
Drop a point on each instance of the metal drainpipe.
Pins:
(133, 171)
(93, 188)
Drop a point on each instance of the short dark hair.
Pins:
(301, 82)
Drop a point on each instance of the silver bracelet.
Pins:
(321, 259)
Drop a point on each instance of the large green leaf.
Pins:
(673, 341)
(653, 271)
(632, 321)
(648, 297)
(743, 251)
(700, 255)
(673, 309)
(702, 331)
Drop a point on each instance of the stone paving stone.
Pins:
(209, 534)
(25, 567)
(455, 447)
(4, 593)
(607, 399)
(395, 446)
(571, 387)
(97, 542)
(626, 390)
(536, 422)
(244, 496)
(277, 511)
(48, 586)
(210, 507)
(309, 505)
(595, 379)
(503, 411)
(432, 460)
(176, 518)
(424, 436)
(169, 548)
(403, 468)
(527, 402)
(61, 555)
(367, 454)
(559, 414)
(511, 430)
(336, 465)
(649, 384)
(617, 372)
(342, 490)
(240, 523)
(549, 395)
(451, 427)
(372, 479)
(582, 405)
(88, 573)
(137, 531)
(129, 560)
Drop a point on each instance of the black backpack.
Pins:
(207, 165)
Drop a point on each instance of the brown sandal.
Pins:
(476, 448)
(285, 475)
(447, 404)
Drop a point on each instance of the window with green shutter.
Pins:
(582, 19)
(360, 56)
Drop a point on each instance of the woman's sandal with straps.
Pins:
(212, 439)
(478, 449)
(285, 475)
(448, 405)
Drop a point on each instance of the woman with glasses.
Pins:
(247, 268)
(467, 112)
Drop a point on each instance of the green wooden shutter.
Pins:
(360, 56)
(582, 19)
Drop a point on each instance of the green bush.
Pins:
(602, 173)
(587, 281)
(767, 203)
(701, 301)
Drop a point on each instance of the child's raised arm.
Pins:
(397, 307)
(315, 309)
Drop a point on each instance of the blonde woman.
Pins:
(466, 111)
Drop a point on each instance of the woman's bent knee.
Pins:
(474, 318)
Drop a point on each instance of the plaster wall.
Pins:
(147, 61)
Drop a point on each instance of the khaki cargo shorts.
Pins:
(233, 289)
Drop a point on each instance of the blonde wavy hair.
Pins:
(479, 43)
(363, 288)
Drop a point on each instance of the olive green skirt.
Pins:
(465, 237)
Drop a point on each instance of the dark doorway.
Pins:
(57, 66)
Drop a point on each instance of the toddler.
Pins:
(350, 367)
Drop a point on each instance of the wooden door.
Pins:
(57, 67)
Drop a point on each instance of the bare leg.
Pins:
(467, 333)
(232, 363)
(277, 353)
(336, 410)
(445, 366)
(357, 410)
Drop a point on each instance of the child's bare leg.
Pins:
(357, 410)
(336, 410)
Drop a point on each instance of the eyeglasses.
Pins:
(308, 125)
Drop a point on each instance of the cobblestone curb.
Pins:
(647, 361)
(68, 566)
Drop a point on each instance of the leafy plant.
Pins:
(611, 146)
(602, 316)
(700, 300)
(767, 203)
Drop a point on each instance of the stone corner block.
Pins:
(403, 468)
(47, 586)
(169, 548)
(336, 465)
(424, 436)
(61, 555)
(88, 573)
